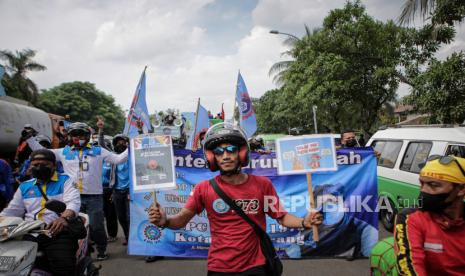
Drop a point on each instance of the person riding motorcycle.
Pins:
(28, 201)
(83, 162)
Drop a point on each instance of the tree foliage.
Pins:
(438, 11)
(350, 69)
(439, 91)
(15, 81)
(83, 102)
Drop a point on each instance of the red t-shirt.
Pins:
(429, 244)
(235, 247)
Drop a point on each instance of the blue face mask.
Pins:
(332, 213)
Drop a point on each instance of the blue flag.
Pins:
(138, 111)
(202, 123)
(189, 125)
(248, 120)
(2, 72)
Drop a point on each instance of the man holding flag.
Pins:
(248, 120)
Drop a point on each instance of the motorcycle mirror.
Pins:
(55, 206)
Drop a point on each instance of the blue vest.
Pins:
(70, 153)
(53, 188)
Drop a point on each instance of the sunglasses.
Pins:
(221, 150)
(446, 160)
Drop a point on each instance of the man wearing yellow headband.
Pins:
(430, 240)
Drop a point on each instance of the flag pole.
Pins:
(131, 110)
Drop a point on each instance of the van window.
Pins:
(389, 151)
(456, 150)
(415, 156)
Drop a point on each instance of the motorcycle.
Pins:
(17, 256)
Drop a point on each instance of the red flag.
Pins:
(222, 112)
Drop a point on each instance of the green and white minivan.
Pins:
(404, 151)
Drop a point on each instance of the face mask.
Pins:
(79, 143)
(333, 213)
(433, 203)
(41, 172)
(351, 143)
(120, 148)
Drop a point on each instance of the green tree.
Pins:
(439, 91)
(269, 119)
(350, 69)
(278, 70)
(83, 102)
(439, 12)
(15, 81)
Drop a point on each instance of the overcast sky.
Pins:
(193, 48)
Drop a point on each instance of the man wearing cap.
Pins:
(429, 240)
(28, 202)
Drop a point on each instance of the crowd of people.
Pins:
(90, 174)
(84, 174)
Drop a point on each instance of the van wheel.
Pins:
(387, 214)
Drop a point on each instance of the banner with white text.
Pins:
(347, 199)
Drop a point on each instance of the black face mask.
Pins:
(351, 143)
(433, 203)
(120, 148)
(42, 172)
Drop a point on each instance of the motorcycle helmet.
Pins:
(78, 128)
(225, 133)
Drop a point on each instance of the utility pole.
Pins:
(314, 118)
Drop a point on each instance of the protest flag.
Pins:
(202, 123)
(248, 120)
(138, 111)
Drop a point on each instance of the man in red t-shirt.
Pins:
(430, 240)
(235, 247)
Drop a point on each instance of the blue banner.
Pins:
(347, 199)
(138, 111)
(248, 120)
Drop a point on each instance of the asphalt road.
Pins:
(120, 263)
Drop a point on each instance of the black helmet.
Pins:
(119, 137)
(225, 133)
(78, 128)
(41, 139)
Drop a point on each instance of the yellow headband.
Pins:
(450, 172)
